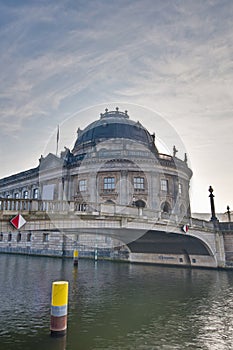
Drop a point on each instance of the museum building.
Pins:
(114, 160)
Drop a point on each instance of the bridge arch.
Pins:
(162, 242)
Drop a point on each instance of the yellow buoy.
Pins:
(75, 256)
(59, 307)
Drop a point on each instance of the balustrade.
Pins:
(64, 207)
(33, 205)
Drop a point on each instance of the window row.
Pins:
(19, 237)
(25, 194)
(109, 183)
(164, 186)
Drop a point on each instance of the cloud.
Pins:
(167, 55)
(172, 56)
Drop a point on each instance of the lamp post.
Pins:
(213, 215)
(228, 213)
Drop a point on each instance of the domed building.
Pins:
(114, 161)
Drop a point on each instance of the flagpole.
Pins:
(57, 139)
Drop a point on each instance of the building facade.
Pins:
(115, 160)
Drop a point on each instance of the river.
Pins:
(115, 306)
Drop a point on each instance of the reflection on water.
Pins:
(115, 306)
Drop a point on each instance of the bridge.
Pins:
(148, 236)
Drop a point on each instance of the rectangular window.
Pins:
(29, 237)
(36, 193)
(45, 237)
(25, 194)
(19, 237)
(164, 185)
(82, 185)
(109, 183)
(138, 183)
(9, 237)
(180, 188)
(1, 237)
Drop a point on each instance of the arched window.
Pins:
(165, 207)
(140, 203)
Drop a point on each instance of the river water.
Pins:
(115, 306)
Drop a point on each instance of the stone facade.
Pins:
(106, 166)
(114, 160)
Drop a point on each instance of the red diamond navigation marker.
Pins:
(18, 221)
(185, 228)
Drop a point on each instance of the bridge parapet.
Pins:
(226, 226)
(34, 205)
(201, 224)
(37, 207)
(66, 209)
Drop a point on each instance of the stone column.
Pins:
(123, 188)
(153, 190)
(71, 188)
(92, 187)
(65, 191)
(60, 189)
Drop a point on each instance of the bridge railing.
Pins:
(64, 207)
(199, 223)
(226, 226)
(34, 205)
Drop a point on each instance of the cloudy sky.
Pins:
(172, 57)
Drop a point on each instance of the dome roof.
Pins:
(114, 124)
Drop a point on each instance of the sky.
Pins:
(63, 62)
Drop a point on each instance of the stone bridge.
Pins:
(55, 227)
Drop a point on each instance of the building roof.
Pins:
(112, 125)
